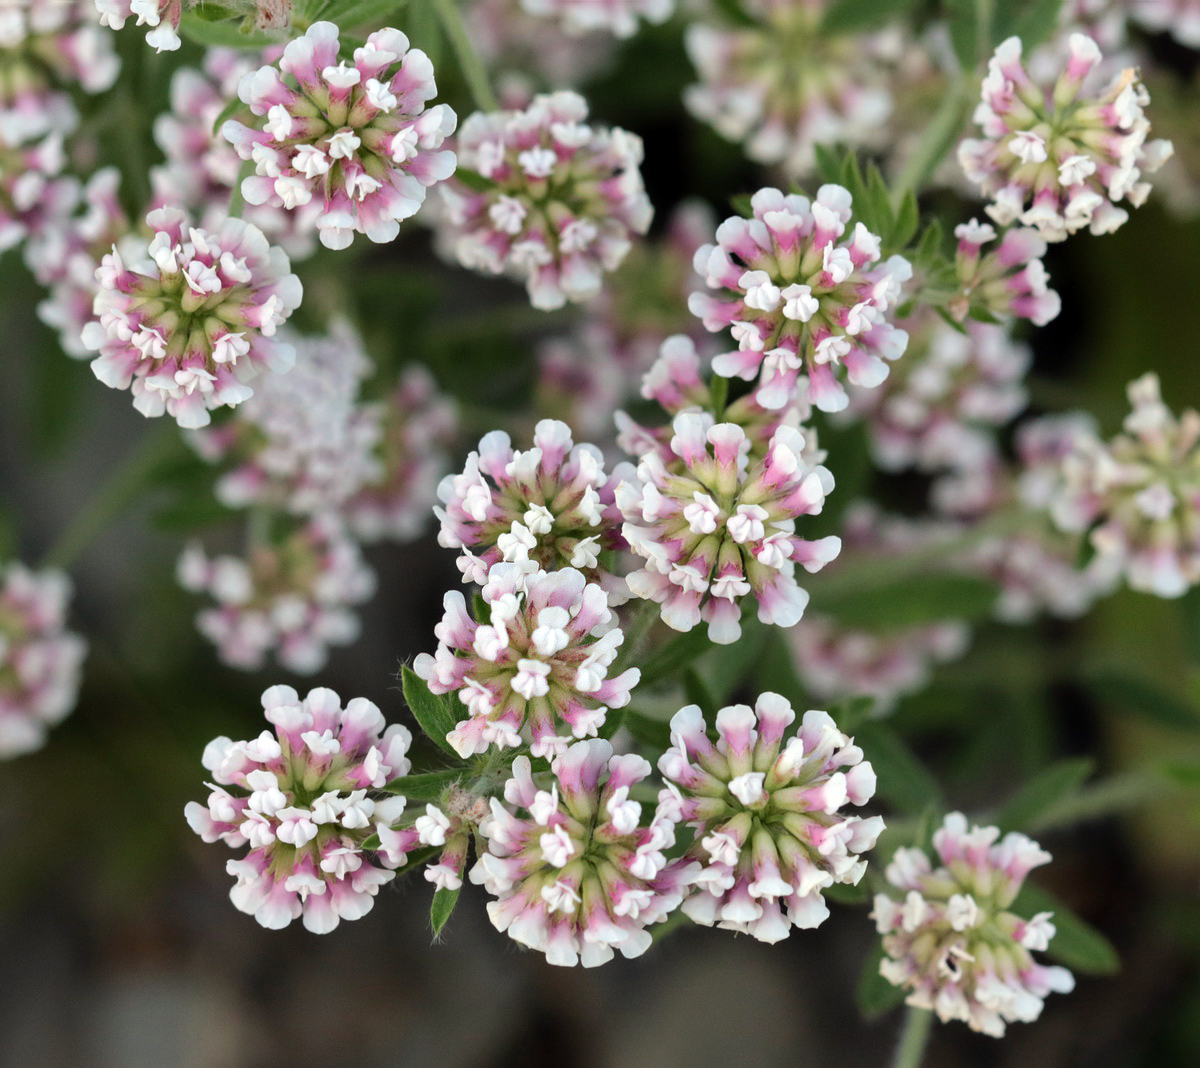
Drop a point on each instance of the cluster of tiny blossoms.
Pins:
(770, 835)
(161, 16)
(39, 658)
(953, 942)
(357, 139)
(305, 802)
(619, 17)
(796, 298)
(557, 201)
(712, 527)
(1061, 157)
(187, 319)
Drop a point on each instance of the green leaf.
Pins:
(874, 994)
(225, 34)
(613, 721)
(742, 204)
(736, 13)
(1076, 944)
(696, 691)
(227, 112)
(929, 248)
(1033, 25)
(432, 712)
(439, 912)
(912, 600)
(967, 37)
(904, 781)
(361, 12)
(473, 180)
(1189, 607)
(906, 222)
(1124, 691)
(1045, 790)
(424, 786)
(848, 714)
(829, 166)
(850, 16)
(678, 653)
(648, 730)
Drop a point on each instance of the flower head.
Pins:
(714, 527)
(798, 299)
(358, 139)
(574, 873)
(1061, 157)
(551, 505)
(39, 658)
(293, 598)
(305, 796)
(770, 835)
(952, 940)
(1006, 281)
(537, 670)
(188, 318)
(558, 202)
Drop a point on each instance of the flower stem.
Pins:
(913, 1039)
(939, 138)
(468, 59)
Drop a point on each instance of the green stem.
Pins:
(641, 620)
(113, 497)
(939, 138)
(468, 59)
(913, 1039)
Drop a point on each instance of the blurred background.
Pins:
(118, 945)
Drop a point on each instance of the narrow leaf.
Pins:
(441, 909)
(473, 180)
(910, 601)
(1045, 790)
(875, 995)
(1034, 24)
(678, 653)
(225, 34)
(424, 786)
(1124, 691)
(904, 780)
(1076, 944)
(648, 730)
(431, 711)
(851, 16)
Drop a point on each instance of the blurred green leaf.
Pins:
(361, 12)
(1044, 791)
(473, 180)
(648, 730)
(904, 781)
(223, 34)
(696, 691)
(850, 16)
(909, 601)
(432, 711)
(1189, 608)
(441, 909)
(1124, 691)
(1033, 21)
(874, 994)
(1076, 944)
(424, 786)
(679, 652)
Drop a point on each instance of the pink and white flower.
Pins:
(798, 300)
(1180, 18)
(358, 139)
(769, 831)
(619, 17)
(714, 527)
(40, 659)
(951, 940)
(305, 796)
(558, 200)
(1009, 280)
(574, 873)
(1061, 157)
(162, 16)
(187, 319)
(537, 670)
(294, 598)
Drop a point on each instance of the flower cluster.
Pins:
(293, 597)
(162, 16)
(953, 941)
(797, 298)
(517, 45)
(619, 17)
(1180, 18)
(557, 202)
(39, 658)
(1007, 281)
(1138, 496)
(770, 834)
(574, 873)
(551, 504)
(781, 85)
(304, 801)
(537, 670)
(357, 139)
(188, 318)
(448, 826)
(713, 527)
(1061, 157)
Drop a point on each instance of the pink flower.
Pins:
(951, 941)
(619, 17)
(537, 669)
(305, 798)
(162, 16)
(558, 201)
(187, 319)
(293, 598)
(1061, 157)
(519, 45)
(357, 139)
(769, 833)
(39, 658)
(1009, 280)
(798, 300)
(713, 528)
(1180, 18)
(574, 873)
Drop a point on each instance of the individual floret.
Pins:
(714, 528)
(305, 797)
(186, 320)
(798, 299)
(574, 873)
(1061, 157)
(952, 941)
(356, 138)
(39, 658)
(770, 833)
(1007, 281)
(557, 203)
(162, 16)
(536, 673)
